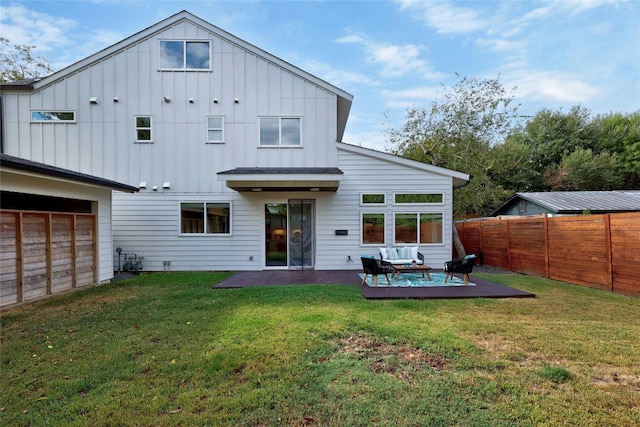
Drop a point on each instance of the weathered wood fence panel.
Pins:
(601, 251)
(44, 253)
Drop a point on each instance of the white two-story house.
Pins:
(237, 155)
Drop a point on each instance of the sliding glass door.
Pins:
(290, 234)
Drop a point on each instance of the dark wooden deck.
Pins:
(483, 288)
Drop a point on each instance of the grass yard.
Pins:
(164, 349)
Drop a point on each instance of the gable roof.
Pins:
(16, 163)
(460, 179)
(576, 202)
(344, 98)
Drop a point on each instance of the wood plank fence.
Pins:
(45, 253)
(601, 251)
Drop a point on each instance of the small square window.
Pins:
(215, 129)
(143, 129)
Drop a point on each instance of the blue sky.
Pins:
(390, 55)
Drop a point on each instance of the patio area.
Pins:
(482, 288)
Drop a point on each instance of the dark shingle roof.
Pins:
(41, 168)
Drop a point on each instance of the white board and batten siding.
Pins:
(375, 174)
(101, 141)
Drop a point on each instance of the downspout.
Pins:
(1, 128)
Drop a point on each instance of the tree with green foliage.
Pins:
(17, 62)
(585, 171)
(457, 132)
(620, 134)
(556, 150)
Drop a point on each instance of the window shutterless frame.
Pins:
(205, 219)
(184, 55)
(280, 131)
(215, 129)
(373, 199)
(53, 116)
(418, 198)
(143, 129)
(373, 228)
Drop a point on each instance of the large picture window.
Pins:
(418, 228)
(185, 55)
(373, 228)
(278, 131)
(205, 218)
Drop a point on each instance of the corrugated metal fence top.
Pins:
(578, 201)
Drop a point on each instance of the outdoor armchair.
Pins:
(374, 267)
(462, 266)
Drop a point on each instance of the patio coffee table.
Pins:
(397, 269)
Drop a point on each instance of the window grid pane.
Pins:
(377, 199)
(406, 228)
(192, 218)
(218, 218)
(373, 228)
(197, 55)
(290, 131)
(269, 131)
(431, 228)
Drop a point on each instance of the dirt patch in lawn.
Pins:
(401, 360)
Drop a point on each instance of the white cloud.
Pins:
(338, 77)
(25, 27)
(444, 16)
(395, 60)
(550, 86)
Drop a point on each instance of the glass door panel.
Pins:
(276, 234)
(301, 233)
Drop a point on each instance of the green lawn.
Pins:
(165, 349)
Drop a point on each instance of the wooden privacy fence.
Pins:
(45, 253)
(600, 251)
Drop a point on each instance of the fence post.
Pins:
(607, 235)
(508, 235)
(545, 219)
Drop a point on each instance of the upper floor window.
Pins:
(215, 129)
(143, 129)
(53, 116)
(418, 198)
(279, 131)
(185, 55)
